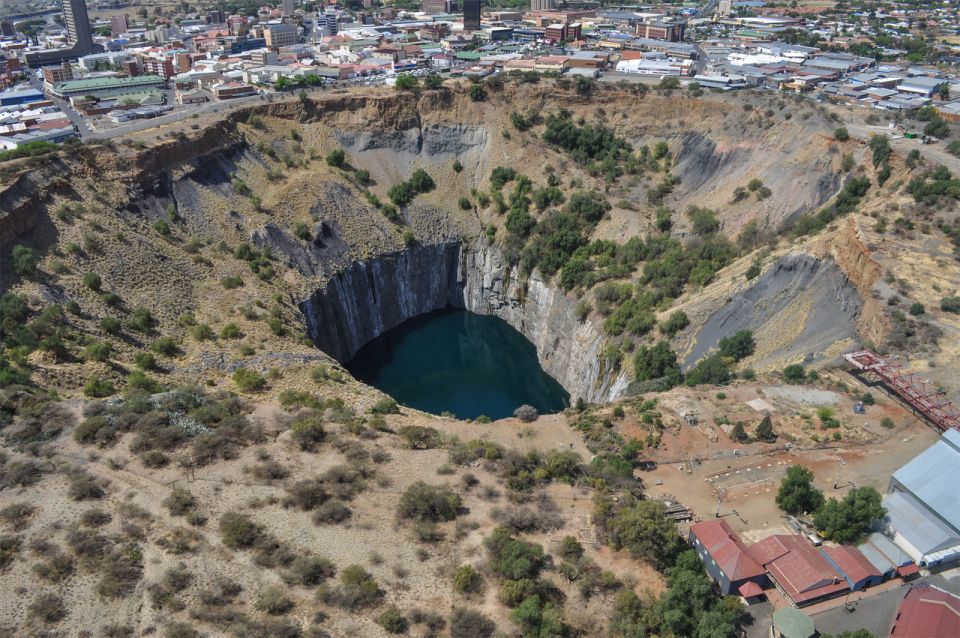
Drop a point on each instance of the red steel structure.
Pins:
(919, 394)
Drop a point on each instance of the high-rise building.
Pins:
(331, 17)
(78, 26)
(431, 7)
(119, 25)
(287, 7)
(543, 5)
(281, 35)
(6, 28)
(471, 15)
(216, 17)
(724, 8)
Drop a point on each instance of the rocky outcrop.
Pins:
(368, 298)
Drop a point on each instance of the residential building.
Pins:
(928, 612)
(159, 66)
(558, 32)
(923, 511)
(726, 559)
(656, 30)
(6, 28)
(471, 15)
(119, 25)
(287, 7)
(279, 35)
(798, 570)
(57, 74)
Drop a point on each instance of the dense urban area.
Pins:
(727, 231)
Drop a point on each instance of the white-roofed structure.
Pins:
(923, 507)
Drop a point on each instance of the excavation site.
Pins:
(448, 362)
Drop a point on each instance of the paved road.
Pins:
(876, 613)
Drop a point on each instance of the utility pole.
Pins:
(719, 496)
(836, 481)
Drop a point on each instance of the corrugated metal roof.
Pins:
(914, 523)
(878, 560)
(924, 477)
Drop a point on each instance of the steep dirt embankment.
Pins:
(863, 271)
(20, 201)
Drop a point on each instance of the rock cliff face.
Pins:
(368, 298)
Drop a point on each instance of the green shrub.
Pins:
(248, 380)
(273, 601)
(231, 282)
(434, 503)
(337, 158)
(794, 373)
(97, 387)
(92, 281)
(841, 134)
(202, 332)
(142, 320)
(392, 621)
(711, 370)
(230, 331)
(739, 346)
(385, 405)
(950, 304)
(98, 351)
(239, 532)
(24, 261)
(110, 325)
(466, 579)
(166, 346)
(467, 623)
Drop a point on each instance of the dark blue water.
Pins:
(460, 362)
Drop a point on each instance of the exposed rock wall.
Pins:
(368, 298)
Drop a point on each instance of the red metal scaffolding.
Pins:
(919, 394)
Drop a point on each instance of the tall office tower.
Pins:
(119, 25)
(471, 15)
(287, 7)
(78, 26)
(725, 8)
(330, 20)
(543, 5)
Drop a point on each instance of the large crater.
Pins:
(368, 298)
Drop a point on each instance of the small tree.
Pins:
(739, 346)
(406, 83)
(797, 493)
(841, 134)
(434, 503)
(477, 93)
(794, 373)
(526, 413)
(466, 579)
(337, 158)
(764, 431)
(24, 261)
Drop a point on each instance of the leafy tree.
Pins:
(645, 530)
(466, 579)
(406, 83)
(669, 82)
(797, 493)
(738, 434)
(433, 81)
(513, 558)
(710, 369)
(673, 324)
(658, 362)
(477, 93)
(739, 346)
(849, 519)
